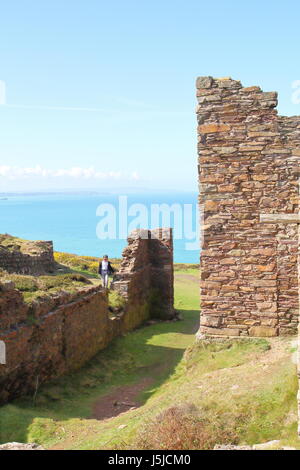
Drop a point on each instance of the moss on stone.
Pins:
(116, 301)
(156, 305)
(37, 287)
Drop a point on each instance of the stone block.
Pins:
(263, 331)
(213, 128)
(219, 331)
(204, 82)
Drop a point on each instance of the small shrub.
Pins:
(182, 428)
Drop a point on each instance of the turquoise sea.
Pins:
(71, 220)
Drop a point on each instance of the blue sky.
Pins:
(102, 94)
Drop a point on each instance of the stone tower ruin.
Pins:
(248, 175)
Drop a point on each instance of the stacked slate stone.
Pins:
(146, 276)
(248, 165)
(39, 260)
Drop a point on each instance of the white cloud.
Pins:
(15, 173)
(135, 176)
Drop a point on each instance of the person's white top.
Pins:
(104, 265)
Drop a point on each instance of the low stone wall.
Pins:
(51, 337)
(59, 333)
(38, 260)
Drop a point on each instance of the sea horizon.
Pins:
(69, 219)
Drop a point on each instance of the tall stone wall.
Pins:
(248, 165)
(162, 272)
(59, 333)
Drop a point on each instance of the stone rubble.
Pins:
(20, 446)
(270, 445)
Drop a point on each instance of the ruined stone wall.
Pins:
(248, 165)
(146, 275)
(39, 260)
(162, 272)
(51, 337)
(57, 334)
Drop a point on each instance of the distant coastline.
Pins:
(95, 192)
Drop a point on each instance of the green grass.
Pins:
(257, 411)
(125, 361)
(34, 287)
(116, 301)
(237, 387)
(186, 267)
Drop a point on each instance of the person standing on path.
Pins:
(105, 270)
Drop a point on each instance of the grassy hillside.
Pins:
(156, 388)
(82, 264)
